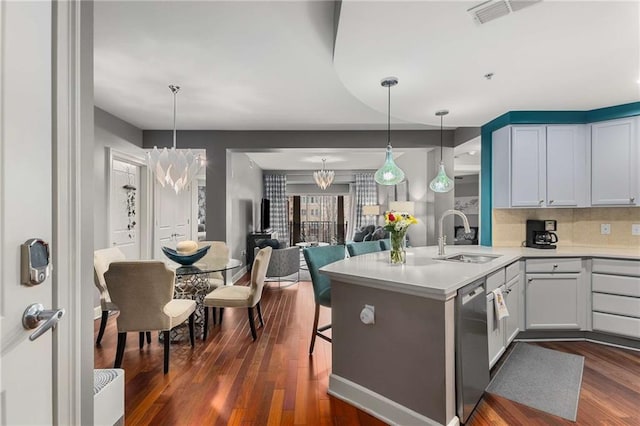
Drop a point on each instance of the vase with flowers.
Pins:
(397, 223)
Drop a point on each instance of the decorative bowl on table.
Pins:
(185, 259)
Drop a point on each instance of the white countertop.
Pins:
(425, 275)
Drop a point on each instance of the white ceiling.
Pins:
(311, 159)
(270, 65)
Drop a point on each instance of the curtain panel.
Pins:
(365, 194)
(275, 190)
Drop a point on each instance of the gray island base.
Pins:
(401, 369)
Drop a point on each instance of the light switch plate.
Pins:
(605, 228)
(635, 229)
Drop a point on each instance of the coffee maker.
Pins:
(540, 234)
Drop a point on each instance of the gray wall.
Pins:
(109, 132)
(217, 142)
(244, 193)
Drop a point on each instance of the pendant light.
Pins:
(389, 173)
(442, 182)
(323, 177)
(174, 167)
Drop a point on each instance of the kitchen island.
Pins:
(402, 368)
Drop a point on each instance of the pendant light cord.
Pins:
(389, 115)
(441, 137)
(174, 90)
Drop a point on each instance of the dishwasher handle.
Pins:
(468, 297)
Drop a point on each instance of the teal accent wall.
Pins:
(532, 117)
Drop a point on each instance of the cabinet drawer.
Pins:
(616, 284)
(624, 326)
(512, 271)
(620, 305)
(495, 280)
(617, 266)
(554, 265)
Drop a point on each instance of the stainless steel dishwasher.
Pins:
(472, 353)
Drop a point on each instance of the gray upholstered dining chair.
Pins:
(101, 260)
(143, 291)
(240, 296)
(218, 250)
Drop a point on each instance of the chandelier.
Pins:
(323, 177)
(389, 173)
(173, 167)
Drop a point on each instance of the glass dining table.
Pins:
(192, 282)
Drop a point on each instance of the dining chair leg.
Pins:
(141, 339)
(103, 325)
(167, 338)
(220, 315)
(315, 329)
(122, 341)
(252, 324)
(149, 337)
(213, 316)
(205, 325)
(192, 334)
(260, 315)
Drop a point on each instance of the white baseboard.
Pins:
(238, 274)
(377, 405)
(97, 312)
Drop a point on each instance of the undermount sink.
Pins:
(471, 257)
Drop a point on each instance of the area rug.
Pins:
(541, 378)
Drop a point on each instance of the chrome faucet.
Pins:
(442, 239)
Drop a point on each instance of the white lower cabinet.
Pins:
(501, 333)
(514, 299)
(556, 300)
(616, 297)
(496, 332)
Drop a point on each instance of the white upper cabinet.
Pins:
(540, 166)
(614, 162)
(567, 172)
(528, 166)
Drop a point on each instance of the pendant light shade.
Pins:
(389, 173)
(173, 167)
(324, 177)
(442, 182)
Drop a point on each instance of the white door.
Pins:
(172, 218)
(124, 208)
(26, 375)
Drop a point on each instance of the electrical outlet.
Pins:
(635, 229)
(243, 253)
(605, 228)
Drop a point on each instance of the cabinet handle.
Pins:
(530, 279)
(550, 201)
(632, 199)
(541, 201)
(555, 265)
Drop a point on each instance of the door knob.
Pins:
(36, 313)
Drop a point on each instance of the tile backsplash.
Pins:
(576, 227)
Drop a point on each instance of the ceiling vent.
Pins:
(494, 9)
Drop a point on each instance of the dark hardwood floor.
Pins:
(231, 380)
